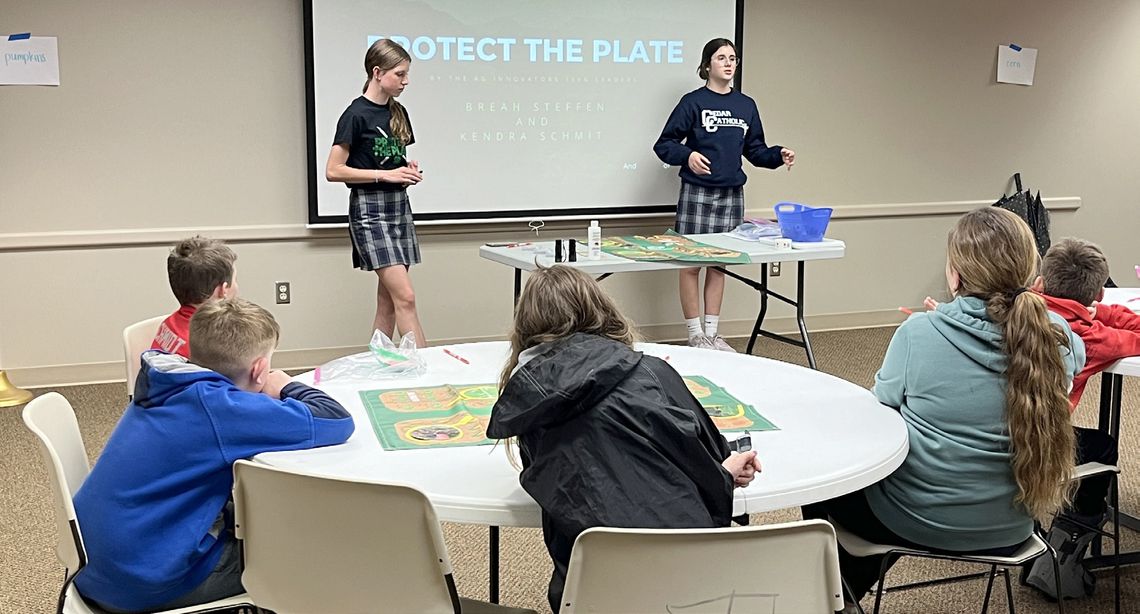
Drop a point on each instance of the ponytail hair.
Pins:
(995, 256)
(386, 54)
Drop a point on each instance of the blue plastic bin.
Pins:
(801, 222)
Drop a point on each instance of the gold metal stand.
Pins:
(11, 395)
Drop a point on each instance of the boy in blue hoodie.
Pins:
(154, 510)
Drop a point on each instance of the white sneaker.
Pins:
(702, 342)
(718, 343)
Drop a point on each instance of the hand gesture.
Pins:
(930, 304)
(275, 380)
(699, 164)
(742, 466)
(403, 175)
(788, 156)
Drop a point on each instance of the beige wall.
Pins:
(176, 117)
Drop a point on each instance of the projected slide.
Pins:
(521, 108)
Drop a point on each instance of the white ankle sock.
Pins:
(711, 324)
(694, 326)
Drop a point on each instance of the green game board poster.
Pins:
(457, 415)
(670, 247)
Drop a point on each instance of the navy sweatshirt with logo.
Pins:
(722, 127)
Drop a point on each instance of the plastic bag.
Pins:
(383, 360)
(754, 229)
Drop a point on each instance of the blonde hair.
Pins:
(386, 55)
(227, 335)
(995, 256)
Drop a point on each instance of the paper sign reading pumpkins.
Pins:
(29, 60)
(1016, 64)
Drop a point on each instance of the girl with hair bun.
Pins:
(706, 135)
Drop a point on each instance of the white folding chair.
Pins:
(321, 544)
(50, 418)
(137, 338)
(785, 568)
(1029, 550)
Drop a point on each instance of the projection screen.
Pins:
(521, 109)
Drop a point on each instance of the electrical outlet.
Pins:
(284, 294)
(774, 269)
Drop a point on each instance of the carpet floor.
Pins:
(30, 575)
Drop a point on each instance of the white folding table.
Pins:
(528, 257)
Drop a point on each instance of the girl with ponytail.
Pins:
(369, 155)
(982, 382)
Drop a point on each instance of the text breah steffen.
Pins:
(579, 106)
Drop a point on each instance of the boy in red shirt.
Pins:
(1073, 274)
(199, 270)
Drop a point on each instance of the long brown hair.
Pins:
(994, 254)
(557, 302)
(386, 55)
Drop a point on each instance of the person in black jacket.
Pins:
(607, 436)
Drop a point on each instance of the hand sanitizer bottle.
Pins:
(594, 241)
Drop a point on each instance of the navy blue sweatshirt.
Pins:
(722, 127)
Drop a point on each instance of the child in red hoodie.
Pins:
(1073, 274)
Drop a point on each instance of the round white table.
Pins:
(834, 437)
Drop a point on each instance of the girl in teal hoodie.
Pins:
(982, 383)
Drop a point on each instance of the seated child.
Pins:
(153, 512)
(199, 269)
(1073, 276)
(608, 436)
(982, 384)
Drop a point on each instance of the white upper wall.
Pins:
(178, 116)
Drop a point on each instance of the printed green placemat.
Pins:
(670, 247)
(457, 415)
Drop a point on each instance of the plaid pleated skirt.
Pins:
(703, 210)
(380, 224)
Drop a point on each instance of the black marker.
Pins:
(574, 252)
(558, 250)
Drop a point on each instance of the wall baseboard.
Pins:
(51, 376)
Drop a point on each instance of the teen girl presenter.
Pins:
(369, 154)
(706, 135)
